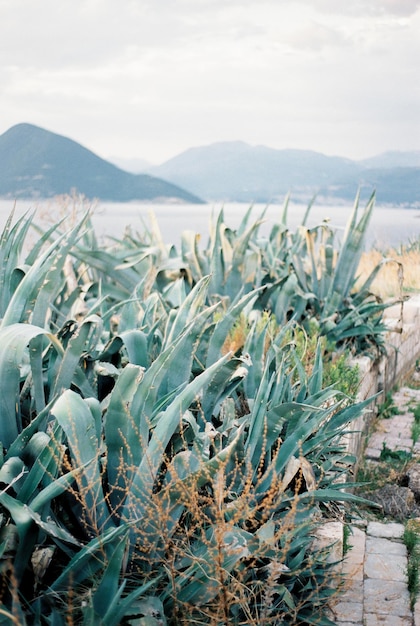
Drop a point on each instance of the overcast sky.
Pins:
(151, 78)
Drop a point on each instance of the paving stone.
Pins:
(400, 428)
(353, 565)
(353, 591)
(399, 438)
(373, 453)
(417, 613)
(348, 612)
(395, 442)
(386, 597)
(379, 545)
(376, 441)
(393, 530)
(385, 567)
(370, 619)
(330, 535)
(376, 593)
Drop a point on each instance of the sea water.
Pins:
(389, 226)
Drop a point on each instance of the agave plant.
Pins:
(152, 469)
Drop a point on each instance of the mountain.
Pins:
(393, 158)
(37, 163)
(393, 185)
(236, 171)
(240, 172)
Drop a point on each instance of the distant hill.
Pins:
(393, 185)
(393, 159)
(35, 163)
(236, 171)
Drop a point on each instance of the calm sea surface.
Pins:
(388, 227)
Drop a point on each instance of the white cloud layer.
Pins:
(150, 78)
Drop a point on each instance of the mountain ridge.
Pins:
(236, 171)
(35, 162)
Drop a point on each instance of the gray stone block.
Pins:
(386, 567)
(386, 620)
(348, 612)
(393, 530)
(386, 597)
(379, 545)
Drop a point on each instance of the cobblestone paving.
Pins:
(376, 565)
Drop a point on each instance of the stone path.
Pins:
(375, 567)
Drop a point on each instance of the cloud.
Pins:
(315, 36)
(361, 8)
(151, 77)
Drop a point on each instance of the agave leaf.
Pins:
(255, 345)
(28, 521)
(223, 384)
(145, 475)
(258, 418)
(11, 471)
(43, 239)
(174, 293)
(315, 380)
(135, 257)
(35, 292)
(187, 469)
(190, 253)
(92, 557)
(119, 284)
(11, 244)
(133, 402)
(285, 209)
(245, 220)
(188, 310)
(121, 432)
(237, 276)
(215, 252)
(47, 455)
(198, 583)
(104, 594)
(335, 495)
(129, 604)
(349, 256)
(82, 341)
(223, 326)
(296, 465)
(14, 340)
(74, 416)
(135, 342)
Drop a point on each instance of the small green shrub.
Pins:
(387, 408)
(399, 456)
(346, 539)
(411, 539)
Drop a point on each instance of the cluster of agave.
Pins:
(157, 466)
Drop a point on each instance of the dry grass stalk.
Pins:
(387, 283)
